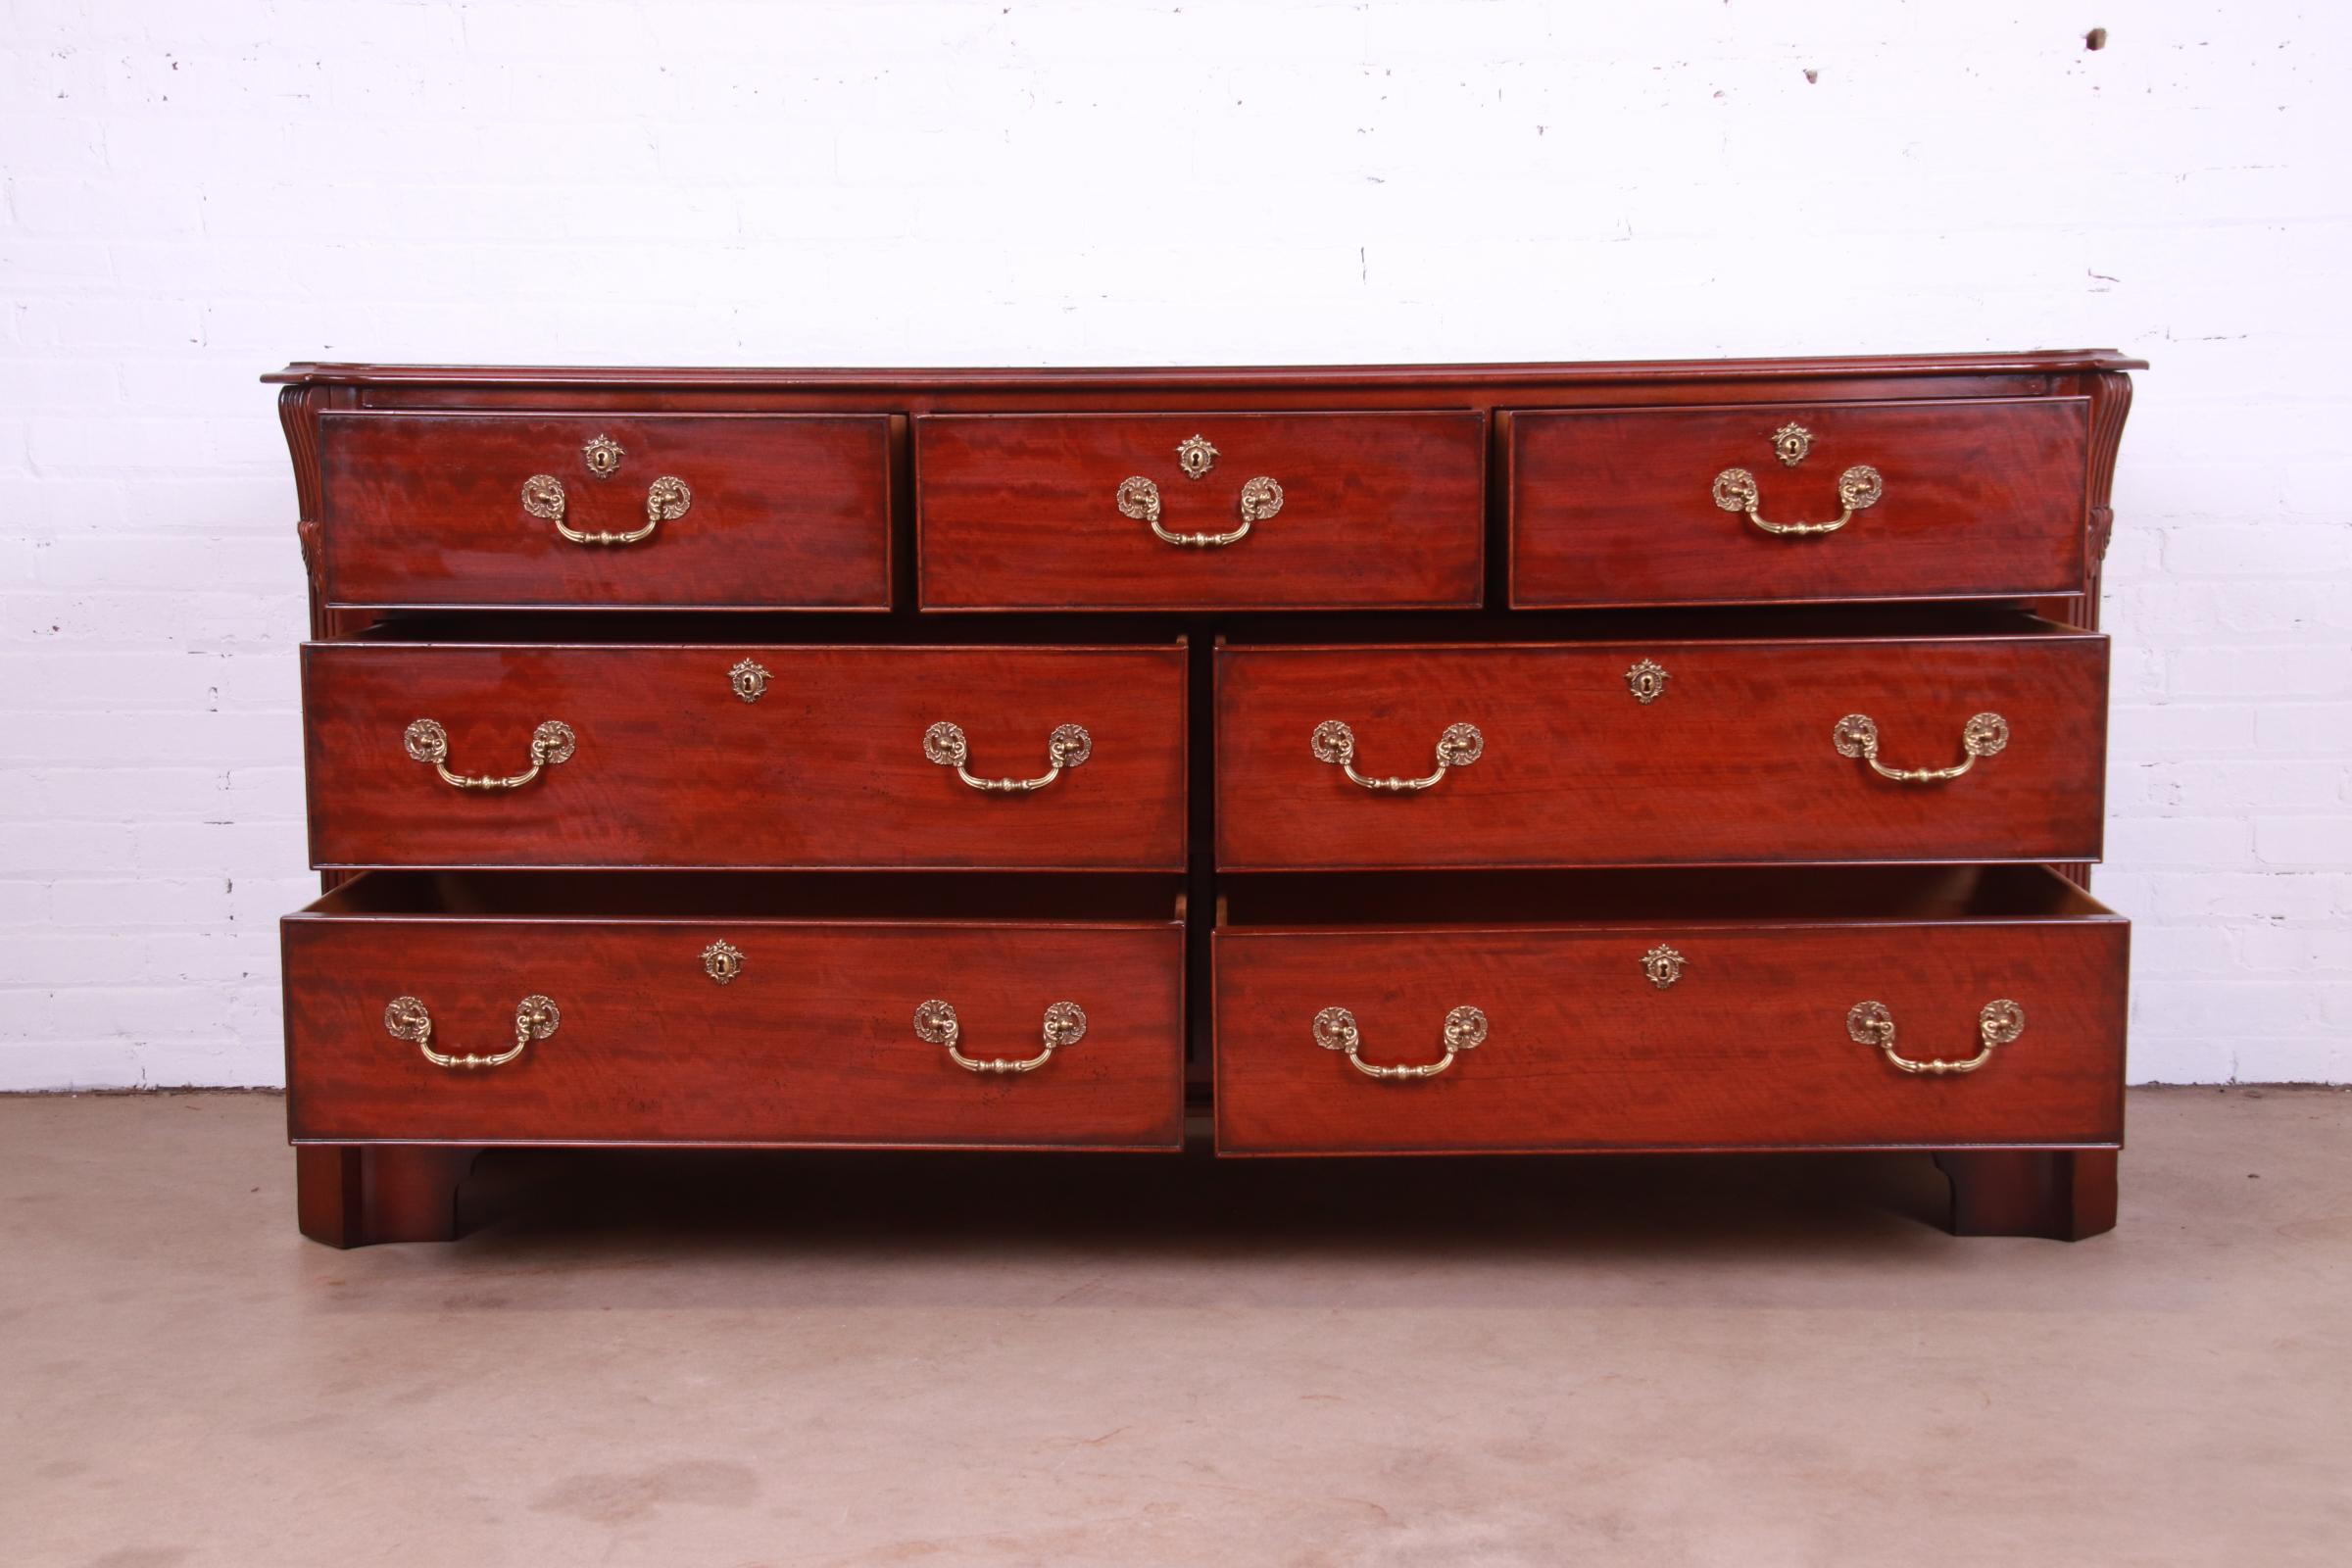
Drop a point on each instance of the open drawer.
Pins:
(1924, 1006)
(664, 1008)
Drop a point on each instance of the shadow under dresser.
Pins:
(1343, 761)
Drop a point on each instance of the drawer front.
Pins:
(1980, 498)
(776, 510)
(1751, 1047)
(1038, 512)
(831, 765)
(1734, 759)
(812, 1040)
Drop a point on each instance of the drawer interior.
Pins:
(1670, 1010)
(908, 628)
(736, 1010)
(702, 897)
(1678, 896)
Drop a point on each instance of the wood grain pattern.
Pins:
(1379, 510)
(1749, 1050)
(811, 1044)
(1615, 507)
(426, 509)
(1733, 764)
(672, 769)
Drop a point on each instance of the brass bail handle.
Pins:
(1334, 742)
(1067, 746)
(1138, 498)
(1984, 735)
(552, 745)
(1870, 1023)
(936, 1023)
(1335, 1029)
(666, 499)
(1859, 488)
(406, 1018)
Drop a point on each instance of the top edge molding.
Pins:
(2037, 362)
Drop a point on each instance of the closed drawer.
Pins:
(719, 510)
(1955, 498)
(1673, 1011)
(602, 996)
(1746, 750)
(650, 755)
(1288, 511)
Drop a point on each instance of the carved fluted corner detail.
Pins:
(2095, 541)
(2110, 403)
(306, 534)
(298, 413)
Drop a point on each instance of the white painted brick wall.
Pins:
(198, 190)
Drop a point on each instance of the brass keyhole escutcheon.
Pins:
(603, 457)
(749, 678)
(1647, 680)
(723, 960)
(1194, 456)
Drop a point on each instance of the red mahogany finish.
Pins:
(1747, 1047)
(672, 768)
(812, 1041)
(1507, 541)
(426, 510)
(1982, 499)
(1732, 762)
(1377, 510)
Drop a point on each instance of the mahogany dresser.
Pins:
(1475, 758)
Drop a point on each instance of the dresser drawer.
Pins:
(1952, 499)
(1861, 1007)
(602, 996)
(1746, 750)
(720, 510)
(1290, 509)
(651, 755)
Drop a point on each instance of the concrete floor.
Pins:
(948, 1361)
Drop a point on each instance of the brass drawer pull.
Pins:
(1334, 743)
(1859, 488)
(552, 744)
(665, 500)
(406, 1018)
(1138, 498)
(936, 1023)
(1336, 1030)
(1984, 735)
(1067, 746)
(1871, 1024)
